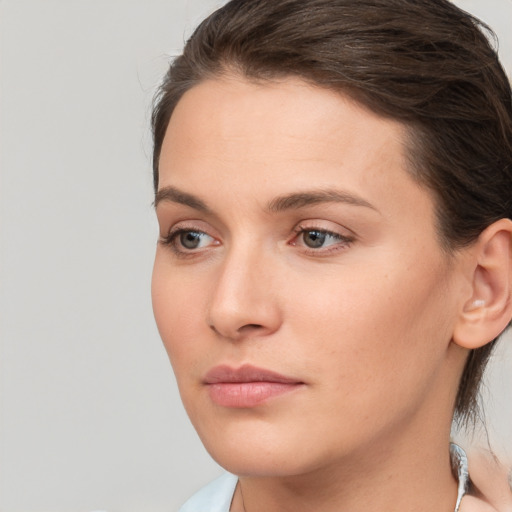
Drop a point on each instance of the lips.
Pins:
(246, 386)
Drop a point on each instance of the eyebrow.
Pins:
(175, 195)
(299, 200)
(293, 201)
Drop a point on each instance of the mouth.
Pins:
(247, 386)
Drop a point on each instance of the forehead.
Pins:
(271, 138)
(281, 115)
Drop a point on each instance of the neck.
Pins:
(391, 476)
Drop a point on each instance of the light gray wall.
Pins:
(90, 417)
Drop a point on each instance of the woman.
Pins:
(333, 184)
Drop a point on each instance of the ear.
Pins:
(488, 310)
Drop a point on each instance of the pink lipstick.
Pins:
(246, 386)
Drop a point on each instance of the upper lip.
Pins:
(245, 373)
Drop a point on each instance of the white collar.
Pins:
(460, 468)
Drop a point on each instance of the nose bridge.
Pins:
(242, 300)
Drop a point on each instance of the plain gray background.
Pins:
(90, 417)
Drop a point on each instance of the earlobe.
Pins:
(488, 310)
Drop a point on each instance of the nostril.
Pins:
(244, 330)
(249, 327)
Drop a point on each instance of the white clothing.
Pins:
(215, 497)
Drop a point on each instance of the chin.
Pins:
(263, 451)
(250, 461)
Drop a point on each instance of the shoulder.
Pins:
(215, 497)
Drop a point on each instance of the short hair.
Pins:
(425, 63)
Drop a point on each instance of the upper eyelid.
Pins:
(179, 229)
(301, 228)
(342, 237)
(320, 225)
(188, 225)
(174, 232)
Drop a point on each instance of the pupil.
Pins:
(190, 240)
(314, 239)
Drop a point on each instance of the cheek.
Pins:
(176, 307)
(371, 329)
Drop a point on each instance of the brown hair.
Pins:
(424, 62)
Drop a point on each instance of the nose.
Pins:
(244, 301)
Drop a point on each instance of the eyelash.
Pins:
(171, 241)
(343, 241)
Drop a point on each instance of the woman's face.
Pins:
(299, 286)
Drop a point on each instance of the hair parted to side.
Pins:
(425, 63)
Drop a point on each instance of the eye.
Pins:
(193, 239)
(320, 241)
(315, 239)
(183, 241)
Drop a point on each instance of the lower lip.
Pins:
(247, 394)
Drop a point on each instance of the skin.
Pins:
(364, 322)
(492, 480)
